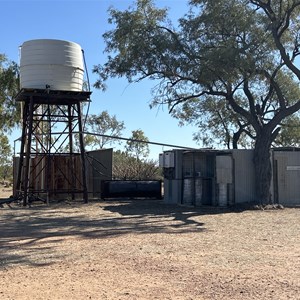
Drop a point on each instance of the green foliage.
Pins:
(137, 145)
(227, 50)
(5, 158)
(217, 124)
(133, 163)
(127, 167)
(104, 125)
(289, 136)
(137, 41)
(9, 85)
(100, 127)
(9, 112)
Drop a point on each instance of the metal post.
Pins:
(71, 162)
(48, 154)
(26, 174)
(23, 140)
(82, 154)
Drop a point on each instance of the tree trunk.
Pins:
(263, 168)
(235, 139)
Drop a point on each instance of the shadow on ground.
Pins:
(40, 228)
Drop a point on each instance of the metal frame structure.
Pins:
(44, 112)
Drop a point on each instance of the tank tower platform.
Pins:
(51, 163)
(48, 165)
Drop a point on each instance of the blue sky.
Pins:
(84, 22)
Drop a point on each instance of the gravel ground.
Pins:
(144, 249)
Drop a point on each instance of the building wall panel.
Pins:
(288, 177)
(244, 178)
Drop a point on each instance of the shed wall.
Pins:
(99, 168)
(244, 177)
(57, 175)
(193, 180)
(287, 165)
(173, 181)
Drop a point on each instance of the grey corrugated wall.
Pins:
(288, 183)
(244, 178)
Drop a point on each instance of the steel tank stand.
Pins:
(42, 150)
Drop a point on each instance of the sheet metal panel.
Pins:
(224, 169)
(198, 170)
(288, 177)
(244, 177)
(99, 168)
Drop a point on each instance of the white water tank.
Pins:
(54, 63)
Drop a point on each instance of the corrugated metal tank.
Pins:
(56, 63)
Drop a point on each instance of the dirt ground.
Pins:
(144, 249)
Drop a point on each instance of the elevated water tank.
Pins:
(56, 63)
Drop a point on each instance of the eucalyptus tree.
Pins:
(237, 52)
(137, 145)
(127, 167)
(217, 126)
(104, 125)
(9, 111)
(5, 158)
(289, 136)
(9, 86)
